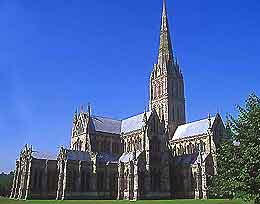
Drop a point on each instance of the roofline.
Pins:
(199, 120)
(106, 117)
(119, 120)
(189, 138)
(135, 115)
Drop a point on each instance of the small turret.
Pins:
(75, 119)
(89, 109)
(145, 116)
(81, 109)
(210, 122)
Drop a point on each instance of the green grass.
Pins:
(8, 201)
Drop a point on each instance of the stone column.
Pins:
(197, 178)
(204, 182)
(64, 186)
(60, 181)
(119, 183)
(128, 183)
(131, 181)
(147, 182)
(15, 180)
(18, 181)
(136, 186)
(29, 180)
(93, 178)
(196, 193)
(23, 179)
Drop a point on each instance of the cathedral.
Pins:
(152, 155)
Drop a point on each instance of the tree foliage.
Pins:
(238, 157)
(6, 183)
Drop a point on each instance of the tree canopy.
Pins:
(238, 157)
(6, 183)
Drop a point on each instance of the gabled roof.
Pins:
(108, 125)
(103, 124)
(193, 129)
(133, 123)
(43, 155)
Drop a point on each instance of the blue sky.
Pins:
(56, 55)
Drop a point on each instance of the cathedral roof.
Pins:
(103, 124)
(133, 123)
(44, 155)
(193, 129)
(108, 125)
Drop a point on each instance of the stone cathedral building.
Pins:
(153, 155)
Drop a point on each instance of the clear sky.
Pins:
(56, 55)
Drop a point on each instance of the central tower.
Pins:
(166, 81)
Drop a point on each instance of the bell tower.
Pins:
(166, 81)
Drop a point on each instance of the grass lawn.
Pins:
(8, 201)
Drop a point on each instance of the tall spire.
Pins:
(165, 50)
(164, 6)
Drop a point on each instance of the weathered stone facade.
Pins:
(153, 155)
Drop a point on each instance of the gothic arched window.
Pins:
(188, 149)
(193, 148)
(140, 143)
(80, 145)
(202, 146)
(174, 151)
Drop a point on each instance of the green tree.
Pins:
(239, 157)
(6, 183)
